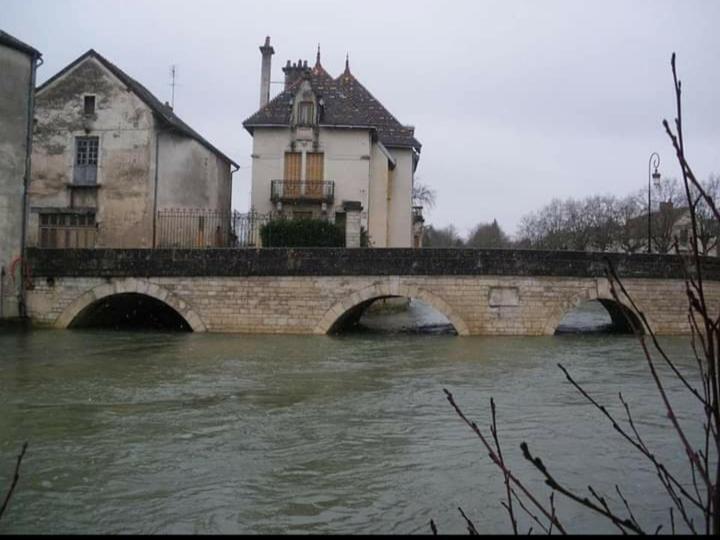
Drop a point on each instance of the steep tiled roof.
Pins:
(164, 112)
(346, 102)
(15, 43)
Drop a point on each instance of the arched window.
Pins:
(306, 113)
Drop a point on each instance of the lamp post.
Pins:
(653, 162)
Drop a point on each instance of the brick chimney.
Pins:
(666, 206)
(267, 51)
(293, 72)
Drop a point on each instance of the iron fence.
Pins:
(201, 228)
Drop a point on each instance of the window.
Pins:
(683, 236)
(67, 230)
(302, 214)
(89, 105)
(314, 175)
(86, 159)
(306, 113)
(291, 180)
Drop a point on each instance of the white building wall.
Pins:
(400, 204)
(378, 221)
(357, 166)
(190, 175)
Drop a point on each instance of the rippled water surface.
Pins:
(190, 433)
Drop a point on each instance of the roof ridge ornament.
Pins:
(317, 59)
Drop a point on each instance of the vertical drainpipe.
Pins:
(36, 62)
(155, 194)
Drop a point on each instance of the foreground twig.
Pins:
(15, 479)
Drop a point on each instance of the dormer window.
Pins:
(89, 105)
(306, 113)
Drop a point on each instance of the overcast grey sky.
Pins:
(515, 102)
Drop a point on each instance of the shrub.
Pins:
(301, 233)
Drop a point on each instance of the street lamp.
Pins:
(653, 162)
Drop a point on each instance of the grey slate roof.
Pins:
(346, 103)
(15, 43)
(162, 111)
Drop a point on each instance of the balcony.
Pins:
(294, 191)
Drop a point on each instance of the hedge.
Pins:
(301, 233)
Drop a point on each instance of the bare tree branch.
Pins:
(15, 479)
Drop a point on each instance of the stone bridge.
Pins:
(317, 291)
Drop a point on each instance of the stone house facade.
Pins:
(325, 146)
(109, 158)
(18, 64)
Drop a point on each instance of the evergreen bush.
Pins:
(303, 232)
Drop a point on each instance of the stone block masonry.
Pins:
(481, 292)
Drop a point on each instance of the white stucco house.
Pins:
(326, 146)
(112, 166)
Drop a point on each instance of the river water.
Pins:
(205, 433)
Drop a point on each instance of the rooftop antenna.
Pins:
(173, 84)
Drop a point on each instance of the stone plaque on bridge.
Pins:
(503, 296)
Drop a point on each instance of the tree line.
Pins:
(601, 223)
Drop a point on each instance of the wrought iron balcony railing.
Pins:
(297, 191)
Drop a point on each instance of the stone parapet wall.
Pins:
(355, 262)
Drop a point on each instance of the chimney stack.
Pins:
(267, 51)
(294, 71)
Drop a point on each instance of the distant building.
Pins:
(325, 148)
(669, 223)
(18, 62)
(109, 157)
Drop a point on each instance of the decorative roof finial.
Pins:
(317, 60)
(347, 63)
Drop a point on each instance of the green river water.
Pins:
(142, 432)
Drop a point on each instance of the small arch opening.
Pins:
(599, 316)
(130, 311)
(393, 315)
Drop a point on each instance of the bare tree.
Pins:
(423, 195)
(601, 220)
(627, 234)
(695, 492)
(708, 232)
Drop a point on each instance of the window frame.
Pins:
(306, 113)
(86, 98)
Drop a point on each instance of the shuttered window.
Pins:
(314, 174)
(293, 172)
(61, 230)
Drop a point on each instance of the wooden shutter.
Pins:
(293, 169)
(314, 174)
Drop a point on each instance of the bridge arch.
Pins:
(619, 312)
(364, 297)
(130, 286)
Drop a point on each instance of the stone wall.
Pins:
(350, 262)
(17, 74)
(294, 291)
(475, 305)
